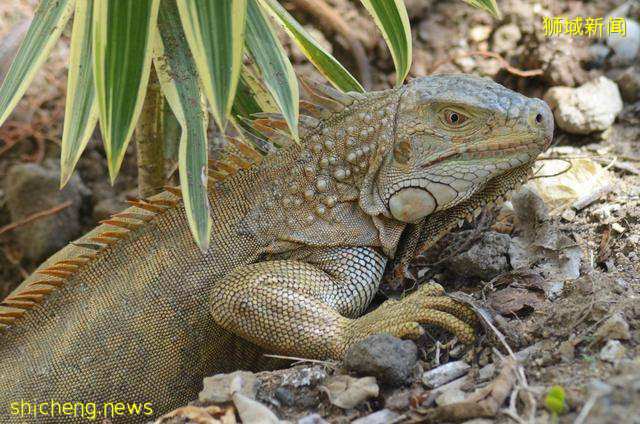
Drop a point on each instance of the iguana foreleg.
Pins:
(309, 308)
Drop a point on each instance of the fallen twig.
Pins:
(35, 216)
(325, 13)
(503, 63)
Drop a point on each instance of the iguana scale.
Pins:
(135, 312)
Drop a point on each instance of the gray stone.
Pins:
(614, 328)
(285, 396)
(389, 359)
(591, 107)
(598, 54)
(486, 259)
(625, 48)
(312, 419)
(383, 416)
(613, 351)
(105, 208)
(505, 38)
(221, 387)
(32, 188)
(399, 400)
(629, 84)
(443, 374)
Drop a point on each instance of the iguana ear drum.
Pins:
(411, 204)
(402, 152)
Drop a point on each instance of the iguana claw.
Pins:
(404, 318)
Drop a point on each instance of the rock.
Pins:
(221, 387)
(505, 38)
(312, 419)
(629, 84)
(252, 411)
(32, 188)
(588, 108)
(479, 33)
(625, 48)
(285, 396)
(614, 328)
(399, 400)
(105, 208)
(443, 374)
(390, 359)
(598, 54)
(613, 351)
(560, 58)
(383, 416)
(485, 259)
(450, 396)
(305, 377)
(416, 8)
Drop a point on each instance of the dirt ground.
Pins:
(554, 271)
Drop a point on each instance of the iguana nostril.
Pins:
(539, 118)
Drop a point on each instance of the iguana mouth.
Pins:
(507, 146)
(496, 190)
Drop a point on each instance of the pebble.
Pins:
(443, 374)
(486, 259)
(312, 419)
(625, 48)
(629, 84)
(32, 188)
(383, 416)
(220, 387)
(505, 38)
(479, 33)
(614, 328)
(613, 351)
(591, 107)
(388, 358)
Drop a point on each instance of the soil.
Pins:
(565, 327)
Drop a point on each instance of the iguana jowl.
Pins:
(134, 312)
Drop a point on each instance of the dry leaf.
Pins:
(347, 392)
(209, 415)
(252, 411)
(560, 191)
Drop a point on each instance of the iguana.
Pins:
(135, 312)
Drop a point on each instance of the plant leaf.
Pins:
(122, 33)
(215, 32)
(179, 80)
(81, 108)
(328, 66)
(489, 5)
(48, 22)
(277, 72)
(393, 21)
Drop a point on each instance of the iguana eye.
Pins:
(453, 118)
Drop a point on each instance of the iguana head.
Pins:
(455, 135)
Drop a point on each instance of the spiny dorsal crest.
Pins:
(240, 153)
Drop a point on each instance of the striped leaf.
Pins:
(391, 18)
(328, 66)
(122, 34)
(179, 80)
(215, 32)
(489, 5)
(277, 72)
(50, 18)
(81, 108)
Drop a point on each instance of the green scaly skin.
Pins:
(299, 245)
